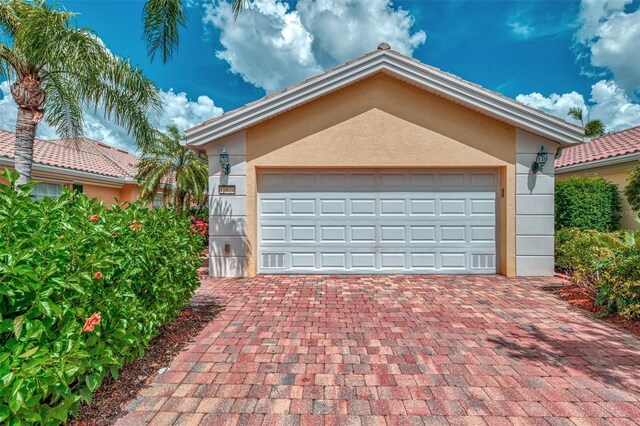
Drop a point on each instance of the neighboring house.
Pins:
(382, 165)
(96, 169)
(611, 156)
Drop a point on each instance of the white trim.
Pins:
(599, 163)
(86, 177)
(390, 62)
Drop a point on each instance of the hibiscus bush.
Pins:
(83, 289)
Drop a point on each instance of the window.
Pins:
(42, 190)
(158, 201)
(78, 188)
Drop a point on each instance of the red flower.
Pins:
(97, 275)
(91, 322)
(94, 218)
(135, 226)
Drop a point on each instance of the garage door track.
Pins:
(396, 350)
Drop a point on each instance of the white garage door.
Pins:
(377, 221)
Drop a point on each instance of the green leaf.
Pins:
(28, 353)
(16, 400)
(93, 381)
(18, 324)
(46, 307)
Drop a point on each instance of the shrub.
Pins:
(83, 288)
(607, 263)
(587, 203)
(632, 190)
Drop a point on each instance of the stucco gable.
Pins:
(401, 67)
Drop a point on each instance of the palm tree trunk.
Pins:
(25, 135)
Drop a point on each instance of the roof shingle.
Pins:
(82, 154)
(612, 145)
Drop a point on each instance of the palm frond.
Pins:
(576, 114)
(162, 19)
(64, 106)
(167, 164)
(238, 6)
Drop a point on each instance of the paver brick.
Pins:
(387, 350)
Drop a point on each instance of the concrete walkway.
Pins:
(396, 350)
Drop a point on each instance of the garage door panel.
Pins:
(303, 207)
(377, 222)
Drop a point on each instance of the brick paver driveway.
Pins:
(396, 350)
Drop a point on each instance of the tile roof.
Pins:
(82, 154)
(608, 146)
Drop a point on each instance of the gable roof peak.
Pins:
(400, 66)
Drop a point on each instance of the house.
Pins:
(96, 169)
(611, 156)
(382, 165)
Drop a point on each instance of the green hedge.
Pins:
(606, 263)
(587, 203)
(63, 264)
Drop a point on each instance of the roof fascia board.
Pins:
(499, 107)
(599, 163)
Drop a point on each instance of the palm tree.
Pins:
(162, 22)
(58, 70)
(593, 128)
(167, 165)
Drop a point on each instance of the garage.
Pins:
(382, 165)
(377, 221)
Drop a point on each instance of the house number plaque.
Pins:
(227, 189)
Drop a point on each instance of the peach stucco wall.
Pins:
(106, 194)
(618, 175)
(103, 193)
(382, 122)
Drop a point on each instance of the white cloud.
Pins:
(555, 104)
(272, 46)
(268, 45)
(520, 29)
(612, 37)
(609, 103)
(345, 29)
(179, 111)
(613, 106)
(183, 113)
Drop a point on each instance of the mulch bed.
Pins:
(581, 298)
(112, 396)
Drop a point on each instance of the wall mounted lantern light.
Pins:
(541, 160)
(224, 161)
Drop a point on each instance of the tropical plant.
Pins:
(83, 289)
(162, 22)
(608, 264)
(592, 128)
(169, 166)
(632, 190)
(58, 70)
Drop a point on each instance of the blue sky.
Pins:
(549, 54)
(471, 39)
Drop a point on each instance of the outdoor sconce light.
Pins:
(224, 161)
(541, 160)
